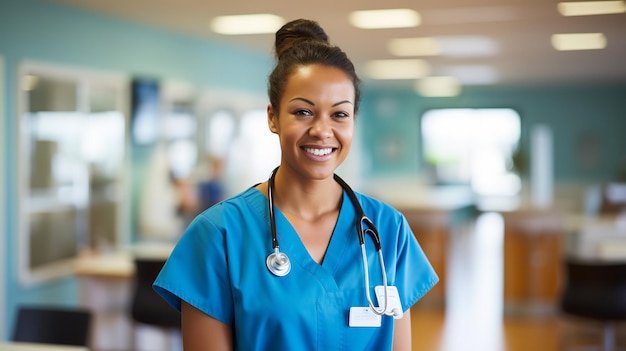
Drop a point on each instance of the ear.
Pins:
(272, 119)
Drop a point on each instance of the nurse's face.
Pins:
(315, 123)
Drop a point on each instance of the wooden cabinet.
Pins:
(433, 228)
(533, 260)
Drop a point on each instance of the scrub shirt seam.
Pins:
(422, 291)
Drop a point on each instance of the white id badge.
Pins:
(363, 317)
(393, 299)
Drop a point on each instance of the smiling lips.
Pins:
(318, 152)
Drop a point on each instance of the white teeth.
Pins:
(318, 152)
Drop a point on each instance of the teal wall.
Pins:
(573, 112)
(40, 31)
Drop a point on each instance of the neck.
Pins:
(306, 199)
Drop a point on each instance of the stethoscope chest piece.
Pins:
(278, 263)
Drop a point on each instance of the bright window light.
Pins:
(474, 147)
(220, 132)
(578, 41)
(397, 69)
(586, 8)
(389, 18)
(253, 153)
(247, 24)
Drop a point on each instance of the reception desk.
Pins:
(435, 215)
(534, 243)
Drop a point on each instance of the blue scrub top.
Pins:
(218, 266)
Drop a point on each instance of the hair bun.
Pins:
(298, 31)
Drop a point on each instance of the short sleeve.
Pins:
(414, 275)
(197, 272)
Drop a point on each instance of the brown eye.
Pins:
(341, 115)
(302, 113)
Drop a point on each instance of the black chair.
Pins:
(147, 306)
(596, 290)
(52, 325)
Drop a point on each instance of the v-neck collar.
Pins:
(343, 232)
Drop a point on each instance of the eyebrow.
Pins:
(313, 104)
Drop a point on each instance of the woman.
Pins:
(217, 274)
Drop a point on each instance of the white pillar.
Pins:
(541, 166)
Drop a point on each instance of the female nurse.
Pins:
(217, 274)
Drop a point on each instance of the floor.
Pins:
(474, 317)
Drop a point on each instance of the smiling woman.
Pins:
(242, 277)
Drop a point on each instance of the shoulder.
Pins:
(237, 209)
(372, 205)
(249, 199)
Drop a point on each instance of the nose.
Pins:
(321, 128)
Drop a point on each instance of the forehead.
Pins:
(323, 82)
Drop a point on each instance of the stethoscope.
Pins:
(278, 263)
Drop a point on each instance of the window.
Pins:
(180, 132)
(72, 150)
(250, 150)
(236, 132)
(473, 147)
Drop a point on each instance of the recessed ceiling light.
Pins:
(388, 18)
(473, 14)
(585, 8)
(439, 86)
(247, 24)
(471, 74)
(578, 41)
(414, 47)
(457, 46)
(467, 46)
(397, 69)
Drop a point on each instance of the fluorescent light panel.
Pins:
(397, 69)
(578, 41)
(247, 24)
(453, 46)
(388, 18)
(586, 8)
(438, 86)
(414, 47)
(471, 74)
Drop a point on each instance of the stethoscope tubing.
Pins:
(278, 263)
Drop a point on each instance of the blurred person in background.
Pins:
(168, 202)
(211, 189)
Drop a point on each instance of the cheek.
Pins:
(346, 134)
(287, 135)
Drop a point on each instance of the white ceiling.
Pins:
(521, 30)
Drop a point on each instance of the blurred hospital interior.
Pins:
(502, 143)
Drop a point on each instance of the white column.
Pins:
(541, 166)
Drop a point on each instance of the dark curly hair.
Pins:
(304, 42)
